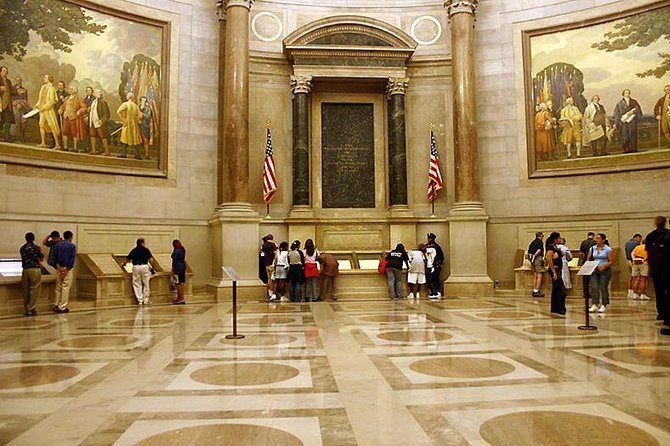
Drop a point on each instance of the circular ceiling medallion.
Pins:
(426, 30)
(35, 375)
(223, 435)
(267, 26)
(415, 336)
(244, 374)
(462, 367)
(561, 428)
(98, 341)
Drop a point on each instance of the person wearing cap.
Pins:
(50, 241)
(435, 259)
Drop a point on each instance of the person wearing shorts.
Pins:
(640, 271)
(417, 271)
(536, 256)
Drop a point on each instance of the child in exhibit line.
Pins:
(296, 275)
(601, 277)
(311, 270)
(281, 271)
(554, 259)
(179, 270)
(416, 275)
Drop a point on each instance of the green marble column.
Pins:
(301, 87)
(396, 142)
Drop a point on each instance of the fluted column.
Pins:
(301, 87)
(468, 271)
(235, 123)
(466, 151)
(397, 142)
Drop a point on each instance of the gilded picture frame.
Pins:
(110, 72)
(593, 63)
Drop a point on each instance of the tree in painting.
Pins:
(53, 20)
(640, 30)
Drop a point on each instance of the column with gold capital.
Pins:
(301, 87)
(467, 218)
(397, 143)
(235, 226)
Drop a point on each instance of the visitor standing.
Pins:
(566, 255)
(416, 276)
(394, 263)
(536, 256)
(330, 268)
(31, 277)
(584, 248)
(600, 279)
(640, 271)
(658, 247)
(554, 259)
(268, 252)
(629, 247)
(281, 271)
(435, 273)
(50, 241)
(296, 274)
(64, 254)
(179, 270)
(140, 256)
(311, 254)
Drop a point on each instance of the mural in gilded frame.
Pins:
(82, 86)
(599, 95)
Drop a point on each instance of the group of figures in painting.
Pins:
(590, 130)
(62, 113)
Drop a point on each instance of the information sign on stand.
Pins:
(232, 274)
(586, 270)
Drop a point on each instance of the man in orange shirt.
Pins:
(640, 271)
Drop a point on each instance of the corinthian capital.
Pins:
(301, 84)
(397, 85)
(221, 10)
(244, 3)
(458, 6)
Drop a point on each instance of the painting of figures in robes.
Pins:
(598, 94)
(82, 88)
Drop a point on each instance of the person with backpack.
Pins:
(394, 263)
(296, 274)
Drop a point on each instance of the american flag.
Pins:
(269, 178)
(434, 175)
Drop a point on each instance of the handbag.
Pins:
(382, 266)
(311, 270)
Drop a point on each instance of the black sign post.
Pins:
(586, 270)
(230, 272)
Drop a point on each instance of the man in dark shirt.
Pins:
(584, 248)
(50, 241)
(140, 257)
(268, 249)
(657, 244)
(394, 263)
(437, 262)
(31, 279)
(64, 254)
(630, 246)
(536, 257)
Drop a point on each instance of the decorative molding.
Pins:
(397, 85)
(243, 3)
(431, 19)
(301, 84)
(255, 30)
(221, 10)
(459, 6)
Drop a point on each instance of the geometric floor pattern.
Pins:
(485, 371)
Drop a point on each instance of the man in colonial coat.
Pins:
(596, 126)
(571, 121)
(46, 101)
(130, 116)
(662, 112)
(98, 115)
(626, 115)
(544, 133)
(6, 110)
(73, 113)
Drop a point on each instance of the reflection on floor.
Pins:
(498, 371)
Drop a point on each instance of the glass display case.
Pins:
(10, 267)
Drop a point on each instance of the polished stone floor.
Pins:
(493, 370)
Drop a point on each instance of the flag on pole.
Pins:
(434, 175)
(269, 178)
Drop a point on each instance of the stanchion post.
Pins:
(234, 277)
(587, 315)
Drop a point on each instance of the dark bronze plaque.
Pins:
(348, 155)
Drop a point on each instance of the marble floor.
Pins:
(487, 371)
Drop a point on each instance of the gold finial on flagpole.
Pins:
(268, 123)
(432, 126)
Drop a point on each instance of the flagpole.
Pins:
(432, 202)
(268, 124)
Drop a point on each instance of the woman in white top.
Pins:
(417, 271)
(281, 271)
(565, 271)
